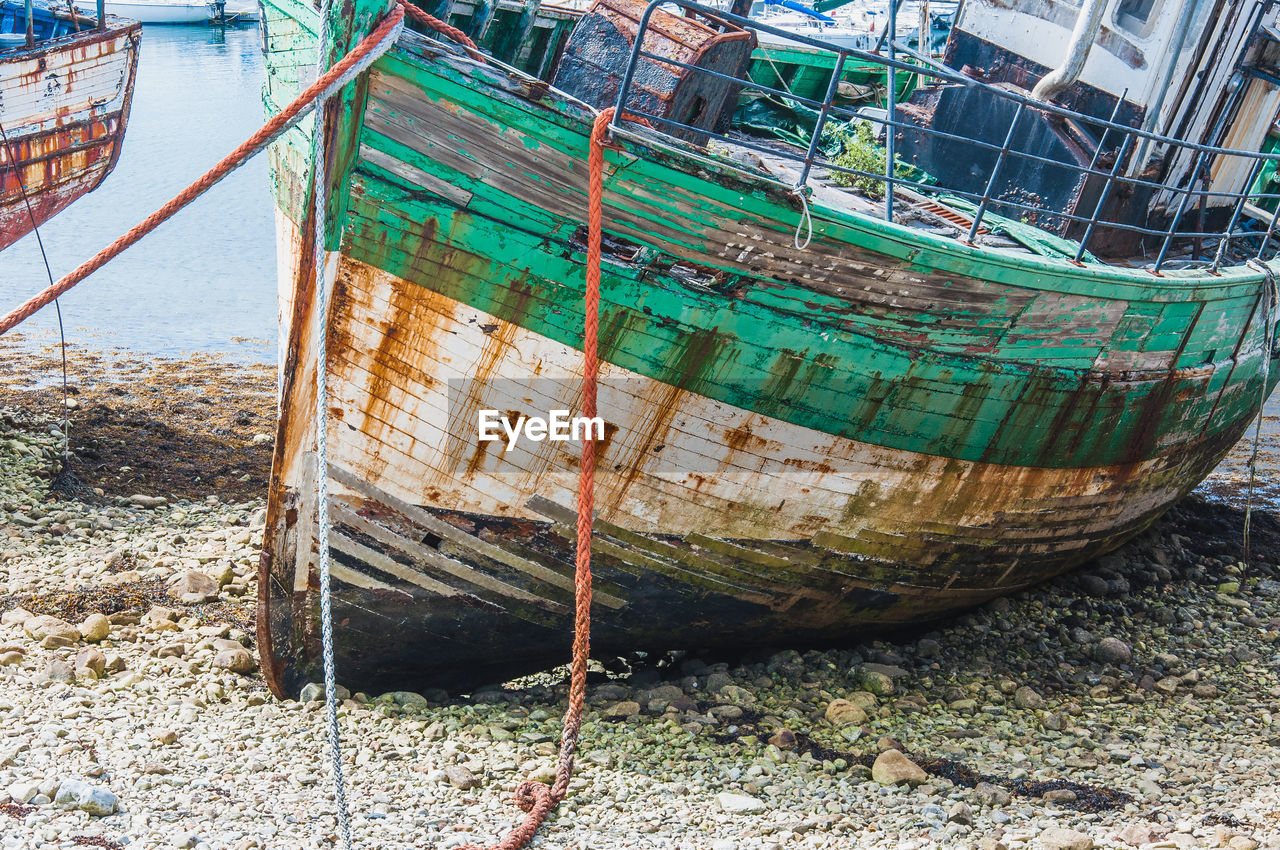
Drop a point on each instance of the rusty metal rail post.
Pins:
(1235, 216)
(1266, 236)
(1182, 207)
(31, 33)
(102, 14)
(995, 172)
(1102, 197)
(832, 87)
(891, 110)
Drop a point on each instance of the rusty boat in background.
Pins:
(66, 85)
(852, 378)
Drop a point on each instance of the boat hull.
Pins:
(66, 109)
(800, 444)
(163, 13)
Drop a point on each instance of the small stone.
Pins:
(1059, 795)
(1112, 651)
(960, 813)
(1136, 835)
(783, 739)
(161, 614)
(194, 587)
(461, 778)
(58, 671)
(1027, 697)
(13, 656)
(143, 501)
(1060, 838)
(407, 699)
(235, 660)
(891, 767)
(314, 692)
(928, 648)
(623, 709)
(739, 803)
(992, 795)
(842, 712)
(22, 792)
(877, 683)
(91, 658)
(545, 773)
(223, 573)
(95, 627)
(165, 736)
(1242, 842)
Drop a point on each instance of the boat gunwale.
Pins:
(115, 26)
(952, 256)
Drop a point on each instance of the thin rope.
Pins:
(62, 335)
(352, 65)
(1269, 297)
(806, 220)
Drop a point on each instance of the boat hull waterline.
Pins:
(879, 429)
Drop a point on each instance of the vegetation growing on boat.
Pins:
(860, 151)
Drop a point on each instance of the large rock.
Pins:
(51, 632)
(15, 617)
(74, 794)
(95, 627)
(893, 768)
(842, 712)
(1061, 838)
(193, 587)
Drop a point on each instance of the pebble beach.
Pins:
(1134, 703)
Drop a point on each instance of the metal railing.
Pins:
(1114, 139)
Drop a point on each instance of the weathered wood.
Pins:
(65, 108)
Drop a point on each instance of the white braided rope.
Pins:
(319, 204)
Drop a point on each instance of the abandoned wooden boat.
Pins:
(823, 411)
(66, 83)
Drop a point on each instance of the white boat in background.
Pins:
(242, 10)
(165, 11)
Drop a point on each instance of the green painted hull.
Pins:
(807, 73)
(914, 425)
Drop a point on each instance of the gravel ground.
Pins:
(1133, 704)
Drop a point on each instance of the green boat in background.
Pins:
(994, 332)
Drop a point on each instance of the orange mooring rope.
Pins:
(251, 146)
(444, 29)
(535, 797)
